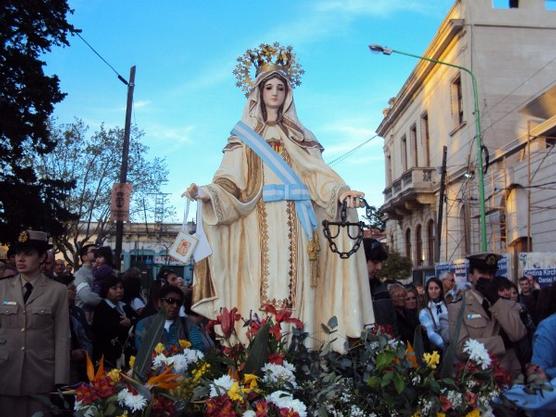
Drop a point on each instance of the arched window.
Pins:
(430, 242)
(408, 243)
(419, 245)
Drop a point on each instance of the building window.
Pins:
(419, 245)
(388, 169)
(431, 243)
(550, 4)
(414, 147)
(404, 153)
(505, 4)
(408, 243)
(425, 137)
(457, 102)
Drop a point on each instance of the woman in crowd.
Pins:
(132, 290)
(111, 323)
(434, 316)
(406, 321)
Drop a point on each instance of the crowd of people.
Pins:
(51, 319)
(516, 324)
(101, 313)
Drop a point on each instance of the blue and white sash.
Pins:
(292, 188)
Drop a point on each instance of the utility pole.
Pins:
(440, 204)
(125, 155)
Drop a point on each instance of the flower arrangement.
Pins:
(275, 375)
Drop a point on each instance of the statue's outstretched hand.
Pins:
(194, 192)
(352, 198)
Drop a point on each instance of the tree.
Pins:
(375, 218)
(29, 29)
(396, 267)
(93, 163)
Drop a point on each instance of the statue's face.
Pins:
(274, 93)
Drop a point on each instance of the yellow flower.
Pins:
(439, 414)
(131, 361)
(185, 343)
(114, 375)
(200, 371)
(250, 381)
(431, 359)
(159, 348)
(474, 413)
(416, 414)
(235, 392)
(124, 414)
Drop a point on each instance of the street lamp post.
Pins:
(478, 135)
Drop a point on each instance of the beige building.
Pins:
(511, 52)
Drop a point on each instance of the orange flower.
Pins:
(91, 369)
(165, 380)
(410, 356)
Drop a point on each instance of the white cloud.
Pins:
(140, 104)
(178, 135)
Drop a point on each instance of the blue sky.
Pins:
(186, 101)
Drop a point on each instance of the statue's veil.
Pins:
(253, 113)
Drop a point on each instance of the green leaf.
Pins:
(399, 383)
(373, 382)
(143, 361)
(384, 359)
(258, 352)
(110, 409)
(388, 376)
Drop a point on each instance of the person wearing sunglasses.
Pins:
(175, 327)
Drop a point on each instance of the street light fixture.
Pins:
(482, 216)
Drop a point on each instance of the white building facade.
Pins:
(511, 53)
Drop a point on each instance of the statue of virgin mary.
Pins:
(262, 215)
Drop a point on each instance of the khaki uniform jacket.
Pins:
(478, 325)
(34, 337)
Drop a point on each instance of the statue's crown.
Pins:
(267, 58)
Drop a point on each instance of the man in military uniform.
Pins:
(34, 330)
(491, 320)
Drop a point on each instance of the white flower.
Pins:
(456, 398)
(135, 402)
(248, 413)
(279, 374)
(220, 386)
(282, 399)
(181, 361)
(356, 411)
(159, 361)
(477, 353)
(86, 410)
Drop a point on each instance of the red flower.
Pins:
(85, 394)
(220, 407)
(261, 409)
(471, 398)
(227, 320)
(276, 332)
(276, 358)
(288, 412)
(283, 315)
(445, 403)
(104, 387)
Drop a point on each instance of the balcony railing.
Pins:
(415, 180)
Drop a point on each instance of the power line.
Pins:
(348, 153)
(122, 79)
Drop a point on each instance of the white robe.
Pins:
(260, 250)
